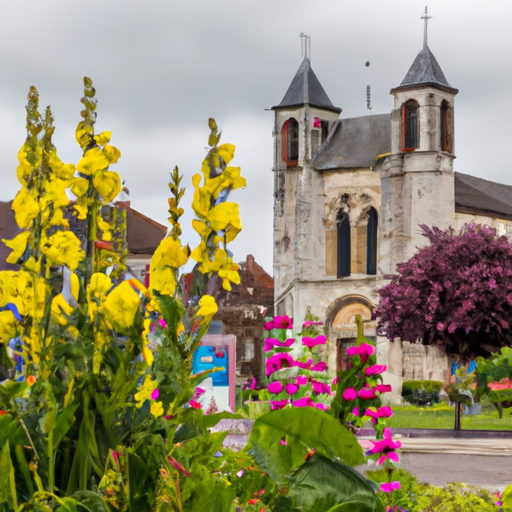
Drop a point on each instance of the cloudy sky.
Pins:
(161, 68)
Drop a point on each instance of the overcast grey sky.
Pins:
(161, 68)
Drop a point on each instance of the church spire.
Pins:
(425, 70)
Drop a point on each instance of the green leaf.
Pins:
(7, 480)
(47, 422)
(301, 428)
(64, 422)
(90, 500)
(325, 485)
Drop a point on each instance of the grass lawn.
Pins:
(442, 416)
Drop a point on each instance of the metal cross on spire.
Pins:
(425, 17)
(305, 44)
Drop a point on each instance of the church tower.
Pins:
(417, 179)
(303, 120)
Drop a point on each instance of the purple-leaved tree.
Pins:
(457, 291)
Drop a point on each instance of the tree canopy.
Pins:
(457, 291)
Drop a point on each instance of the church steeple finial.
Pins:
(305, 46)
(425, 17)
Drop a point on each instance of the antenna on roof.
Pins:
(368, 91)
(425, 17)
(305, 46)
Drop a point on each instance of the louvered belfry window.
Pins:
(343, 225)
(410, 125)
(290, 141)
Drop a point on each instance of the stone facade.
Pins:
(349, 192)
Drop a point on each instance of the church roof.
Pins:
(306, 89)
(426, 71)
(482, 197)
(354, 143)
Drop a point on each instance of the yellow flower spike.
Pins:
(18, 246)
(225, 215)
(169, 253)
(94, 160)
(64, 248)
(207, 306)
(226, 152)
(81, 210)
(121, 305)
(103, 138)
(229, 274)
(107, 183)
(8, 326)
(145, 391)
(201, 201)
(112, 153)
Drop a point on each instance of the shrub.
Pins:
(421, 392)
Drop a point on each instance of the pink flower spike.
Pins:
(240, 473)
(177, 465)
(155, 394)
(278, 404)
(321, 406)
(269, 326)
(275, 387)
(270, 343)
(320, 387)
(116, 460)
(355, 411)
(304, 366)
(349, 394)
(319, 367)
(194, 404)
(253, 384)
(162, 322)
(367, 393)
(383, 388)
(376, 369)
(278, 361)
(335, 381)
(291, 389)
(282, 322)
(303, 402)
(390, 486)
(284, 443)
(307, 323)
(200, 391)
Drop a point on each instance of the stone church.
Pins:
(349, 196)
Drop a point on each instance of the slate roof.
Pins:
(482, 197)
(306, 89)
(354, 143)
(426, 71)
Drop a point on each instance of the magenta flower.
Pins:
(376, 369)
(367, 393)
(355, 411)
(177, 465)
(278, 404)
(269, 326)
(364, 350)
(319, 367)
(201, 391)
(320, 387)
(282, 322)
(381, 412)
(320, 406)
(270, 343)
(383, 388)
(312, 342)
(390, 486)
(240, 473)
(309, 323)
(335, 381)
(301, 380)
(304, 366)
(291, 389)
(155, 394)
(386, 447)
(278, 361)
(303, 402)
(275, 387)
(162, 322)
(349, 394)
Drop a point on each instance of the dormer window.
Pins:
(410, 132)
(290, 140)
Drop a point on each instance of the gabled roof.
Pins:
(355, 143)
(482, 197)
(426, 71)
(306, 89)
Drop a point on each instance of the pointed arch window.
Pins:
(343, 226)
(410, 125)
(290, 140)
(446, 142)
(372, 229)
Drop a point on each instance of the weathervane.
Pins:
(425, 17)
(305, 46)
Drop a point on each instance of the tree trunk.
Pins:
(457, 416)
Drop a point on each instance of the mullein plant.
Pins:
(98, 415)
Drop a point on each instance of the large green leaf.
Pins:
(7, 481)
(325, 485)
(90, 500)
(300, 428)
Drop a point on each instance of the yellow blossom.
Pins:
(8, 326)
(103, 138)
(64, 248)
(18, 245)
(121, 305)
(112, 153)
(145, 391)
(25, 207)
(83, 134)
(94, 160)
(97, 290)
(157, 409)
(62, 170)
(207, 306)
(107, 183)
(60, 309)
